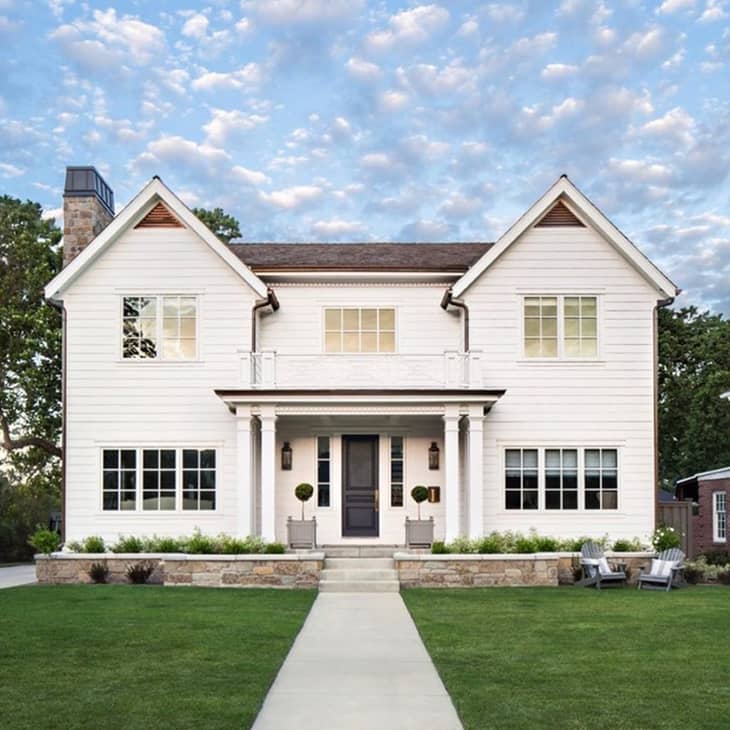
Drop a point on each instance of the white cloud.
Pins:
(376, 161)
(114, 39)
(225, 124)
(392, 100)
(53, 214)
(243, 26)
(176, 150)
(459, 206)
(249, 76)
(249, 177)
(435, 81)
(409, 27)
(468, 28)
(9, 170)
(293, 197)
(196, 26)
(673, 6)
(567, 108)
(676, 126)
(426, 230)
(363, 70)
(714, 10)
(558, 71)
(641, 171)
(645, 45)
(503, 13)
(336, 228)
(175, 79)
(302, 12)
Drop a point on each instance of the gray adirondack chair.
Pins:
(596, 572)
(673, 579)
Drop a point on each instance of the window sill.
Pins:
(557, 362)
(149, 362)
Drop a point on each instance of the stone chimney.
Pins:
(88, 208)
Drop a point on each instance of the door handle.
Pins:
(376, 497)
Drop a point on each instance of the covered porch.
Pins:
(362, 451)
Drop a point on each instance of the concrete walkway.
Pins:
(358, 663)
(17, 575)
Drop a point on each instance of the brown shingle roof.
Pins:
(456, 257)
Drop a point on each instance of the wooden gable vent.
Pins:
(159, 217)
(559, 215)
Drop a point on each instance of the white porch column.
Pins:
(476, 471)
(244, 473)
(268, 472)
(451, 471)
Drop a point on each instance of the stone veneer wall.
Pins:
(539, 569)
(276, 571)
(450, 571)
(84, 218)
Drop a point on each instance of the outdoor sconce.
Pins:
(286, 456)
(433, 456)
(434, 495)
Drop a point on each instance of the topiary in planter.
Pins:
(303, 492)
(419, 494)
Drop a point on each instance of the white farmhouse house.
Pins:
(204, 381)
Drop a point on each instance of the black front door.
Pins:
(360, 486)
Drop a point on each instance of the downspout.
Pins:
(447, 300)
(659, 305)
(270, 301)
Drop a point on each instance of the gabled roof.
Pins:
(563, 190)
(151, 195)
(446, 257)
(723, 473)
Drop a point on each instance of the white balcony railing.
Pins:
(451, 369)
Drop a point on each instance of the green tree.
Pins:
(694, 369)
(30, 365)
(224, 226)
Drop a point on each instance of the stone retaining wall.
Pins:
(451, 571)
(276, 571)
(537, 569)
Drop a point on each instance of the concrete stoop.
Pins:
(359, 575)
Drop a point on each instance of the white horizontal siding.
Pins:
(114, 402)
(608, 402)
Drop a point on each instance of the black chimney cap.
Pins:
(85, 181)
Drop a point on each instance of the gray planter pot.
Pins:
(301, 534)
(419, 533)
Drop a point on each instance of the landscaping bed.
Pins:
(141, 656)
(578, 658)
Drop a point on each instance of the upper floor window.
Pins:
(159, 327)
(359, 330)
(560, 326)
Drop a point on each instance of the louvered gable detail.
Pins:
(159, 217)
(559, 215)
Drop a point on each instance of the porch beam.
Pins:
(244, 472)
(268, 472)
(452, 507)
(476, 471)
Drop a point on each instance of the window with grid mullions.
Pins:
(521, 479)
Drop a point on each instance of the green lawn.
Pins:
(577, 658)
(141, 656)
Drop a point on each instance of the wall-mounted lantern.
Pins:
(433, 456)
(434, 495)
(286, 456)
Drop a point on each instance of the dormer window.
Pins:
(159, 328)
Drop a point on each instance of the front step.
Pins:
(360, 551)
(359, 575)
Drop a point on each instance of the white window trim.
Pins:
(541, 448)
(323, 329)
(139, 490)
(561, 357)
(331, 440)
(390, 472)
(715, 514)
(158, 295)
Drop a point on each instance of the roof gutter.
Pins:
(448, 300)
(270, 301)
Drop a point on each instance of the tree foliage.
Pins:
(224, 226)
(30, 371)
(694, 370)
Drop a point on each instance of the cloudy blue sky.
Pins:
(352, 120)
